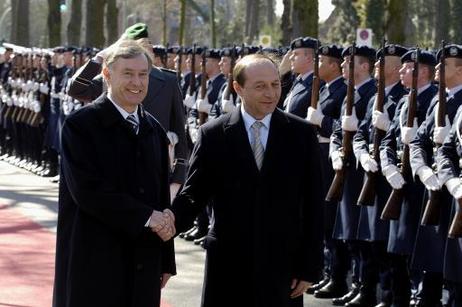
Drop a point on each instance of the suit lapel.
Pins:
(275, 146)
(238, 140)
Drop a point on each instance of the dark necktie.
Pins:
(133, 122)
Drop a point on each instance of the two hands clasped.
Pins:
(163, 224)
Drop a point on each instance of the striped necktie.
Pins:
(257, 146)
(133, 122)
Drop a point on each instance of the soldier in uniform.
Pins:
(172, 52)
(428, 256)
(402, 232)
(301, 59)
(163, 101)
(160, 56)
(372, 231)
(449, 158)
(347, 217)
(331, 96)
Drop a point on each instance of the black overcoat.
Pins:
(267, 225)
(111, 180)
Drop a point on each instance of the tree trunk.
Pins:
(112, 26)
(305, 18)
(94, 32)
(14, 22)
(397, 12)
(375, 19)
(182, 22)
(270, 17)
(164, 22)
(73, 28)
(456, 18)
(54, 23)
(441, 29)
(253, 24)
(286, 25)
(212, 23)
(248, 17)
(22, 36)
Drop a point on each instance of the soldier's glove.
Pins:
(440, 133)
(337, 162)
(428, 178)
(380, 120)
(227, 105)
(368, 164)
(203, 105)
(454, 187)
(409, 133)
(314, 116)
(393, 176)
(189, 101)
(350, 122)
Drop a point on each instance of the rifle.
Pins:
(455, 231)
(229, 87)
(336, 188)
(316, 82)
(392, 209)
(192, 80)
(178, 63)
(368, 191)
(203, 89)
(432, 211)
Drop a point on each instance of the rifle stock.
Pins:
(368, 191)
(229, 87)
(335, 191)
(192, 80)
(432, 211)
(316, 82)
(455, 231)
(203, 89)
(392, 209)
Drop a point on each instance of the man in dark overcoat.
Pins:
(259, 168)
(114, 176)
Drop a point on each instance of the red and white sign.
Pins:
(364, 37)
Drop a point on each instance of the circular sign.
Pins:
(364, 34)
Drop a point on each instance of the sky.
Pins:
(325, 8)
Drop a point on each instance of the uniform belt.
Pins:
(323, 140)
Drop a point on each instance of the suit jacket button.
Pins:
(141, 190)
(139, 266)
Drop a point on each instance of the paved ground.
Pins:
(28, 211)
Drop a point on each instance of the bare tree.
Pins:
(73, 28)
(94, 32)
(286, 24)
(397, 20)
(112, 26)
(54, 23)
(182, 21)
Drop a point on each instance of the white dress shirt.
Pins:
(264, 130)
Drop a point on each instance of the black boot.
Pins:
(341, 301)
(332, 289)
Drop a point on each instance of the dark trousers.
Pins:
(455, 294)
(432, 289)
(400, 280)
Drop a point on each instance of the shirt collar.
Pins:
(388, 88)
(423, 88)
(332, 81)
(124, 113)
(305, 75)
(357, 87)
(249, 119)
(454, 90)
(213, 78)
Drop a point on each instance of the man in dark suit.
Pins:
(267, 214)
(114, 175)
(163, 99)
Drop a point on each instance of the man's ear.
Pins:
(106, 73)
(237, 88)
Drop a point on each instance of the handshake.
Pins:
(163, 224)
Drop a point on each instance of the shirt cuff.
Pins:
(148, 222)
